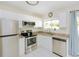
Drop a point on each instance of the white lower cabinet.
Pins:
(45, 41)
(59, 47)
(21, 47)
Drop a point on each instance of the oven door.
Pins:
(31, 41)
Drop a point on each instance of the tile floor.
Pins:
(41, 52)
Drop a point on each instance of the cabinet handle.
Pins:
(63, 40)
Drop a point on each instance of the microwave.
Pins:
(24, 23)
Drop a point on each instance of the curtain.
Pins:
(73, 40)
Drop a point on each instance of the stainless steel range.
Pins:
(30, 44)
(30, 41)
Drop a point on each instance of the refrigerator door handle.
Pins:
(8, 35)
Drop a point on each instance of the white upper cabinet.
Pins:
(38, 24)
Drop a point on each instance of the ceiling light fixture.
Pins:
(33, 3)
(50, 14)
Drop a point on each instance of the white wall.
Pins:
(21, 17)
(63, 15)
(63, 18)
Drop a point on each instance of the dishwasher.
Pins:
(59, 46)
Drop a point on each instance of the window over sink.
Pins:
(52, 24)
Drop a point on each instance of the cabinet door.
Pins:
(38, 23)
(45, 42)
(20, 24)
(21, 47)
(48, 43)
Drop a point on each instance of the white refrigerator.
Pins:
(9, 38)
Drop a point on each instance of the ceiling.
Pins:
(41, 9)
